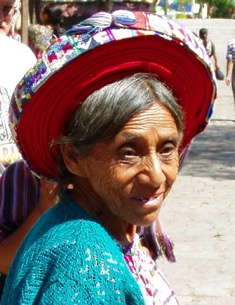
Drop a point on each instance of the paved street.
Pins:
(199, 213)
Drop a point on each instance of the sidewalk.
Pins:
(199, 213)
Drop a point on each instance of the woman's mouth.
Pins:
(152, 200)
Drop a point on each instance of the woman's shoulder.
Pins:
(72, 250)
(67, 228)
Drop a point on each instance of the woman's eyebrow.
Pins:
(130, 136)
(172, 138)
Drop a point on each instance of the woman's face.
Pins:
(7, 11)
(130, 176)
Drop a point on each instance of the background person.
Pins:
(12, 67)
(116, 134)
(9, 13)
(230, 70)
(23, 199)
(15, 60)
(209, 46)
(41, 35)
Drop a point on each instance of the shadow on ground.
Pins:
(212, 153)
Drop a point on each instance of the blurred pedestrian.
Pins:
(230, 68)
(209, 46)
(41, 35)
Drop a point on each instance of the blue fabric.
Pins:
(69, 258)
(19, 194)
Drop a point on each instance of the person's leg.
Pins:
(233, 84)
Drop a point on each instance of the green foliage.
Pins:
(220, 8)
(180, 16)
(223, 9)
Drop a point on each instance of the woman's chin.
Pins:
(148, 220)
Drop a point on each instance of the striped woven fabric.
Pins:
(19, 193)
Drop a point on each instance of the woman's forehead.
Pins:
(155, 118)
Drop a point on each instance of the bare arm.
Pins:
(9, 246)
(214, 55)
(216, 61)
(229, 67)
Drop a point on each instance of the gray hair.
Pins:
(104, 113)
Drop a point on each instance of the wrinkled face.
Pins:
(7, 11)
(130, 176)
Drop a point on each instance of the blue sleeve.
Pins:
(91, 276)
(85, 270)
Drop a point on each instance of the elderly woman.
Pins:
(108, 113)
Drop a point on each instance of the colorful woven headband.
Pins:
(101, 50)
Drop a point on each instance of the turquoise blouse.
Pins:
(68, 258)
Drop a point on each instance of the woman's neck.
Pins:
(119, 229)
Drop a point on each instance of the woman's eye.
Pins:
(168, 152)
(127, 152)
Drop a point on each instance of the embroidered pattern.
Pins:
(154, 287)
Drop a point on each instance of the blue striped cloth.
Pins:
(19, 193)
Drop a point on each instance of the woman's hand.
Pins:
(228, 81)
(47, 196)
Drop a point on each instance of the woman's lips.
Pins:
(152, 200)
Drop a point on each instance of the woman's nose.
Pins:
(152, 172)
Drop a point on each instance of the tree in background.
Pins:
(224, 9)
(219, 8)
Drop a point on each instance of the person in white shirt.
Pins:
(16, 59)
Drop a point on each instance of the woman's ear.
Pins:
(71, 159)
